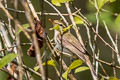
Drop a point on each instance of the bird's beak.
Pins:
(51, 21)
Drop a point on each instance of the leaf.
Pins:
(57, 27)
(112, 1)
(25, 26)
(64, 75)
(78, 20)
(101, 3)
(36, 68)
(113, 78)
(56, 2)
(102, 78)
(117, 22)
(64, 1)
(74, 64)
(6, 59)
(50, 62)
(3, 76)
(67, 28)
(80, 69)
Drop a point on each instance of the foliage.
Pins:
(25, 27)
(59, 2)
(101, 21)
(6, 59)
(74, 65)
(78, 20)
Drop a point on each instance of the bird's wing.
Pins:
(71, 43)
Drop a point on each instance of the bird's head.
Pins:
(57, 25)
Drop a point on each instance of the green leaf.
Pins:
(74, 65)
(6, 59)
(25, 26)
(3, 76)
(78, 20)
(102, 78)
(64, 1)
(101, 3)
(57, 27)
(64, 75)
(112, 0)
(50, 62)
(36, 68)
(117, 20)
(117, 23)
(58, 2)
(80, 69)
(113, 78)
(67, 28)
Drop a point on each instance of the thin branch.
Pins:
(32, 9)
(45, 13)
(3, 33)
(15, 21)
(35, 42)
(57, 12)
(113, 42)
(10, 29)
(73, 22)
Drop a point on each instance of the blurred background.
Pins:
(109, 13)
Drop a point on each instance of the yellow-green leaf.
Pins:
(67, 28)
(117, 22)
(75, 64)
(36, 68)
(6, 59)
(56, 2)
(50, 62)
(25, 26)
(64, 1)
(78, 20)
(80, 69)
(112, 0)
(101, 3)
(57, 27)
(64, 75)
(113, 78)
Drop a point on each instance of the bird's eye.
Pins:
(60, 24)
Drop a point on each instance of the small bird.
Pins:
(71, 44)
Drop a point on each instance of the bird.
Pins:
(71, 44)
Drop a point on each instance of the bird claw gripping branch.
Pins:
(40, 33)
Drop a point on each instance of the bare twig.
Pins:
(3, 33)
(113, 42)
(10, 29)
(19, 50)
(57, 12)
(45, 13)
(35, 42)
(15, 21)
